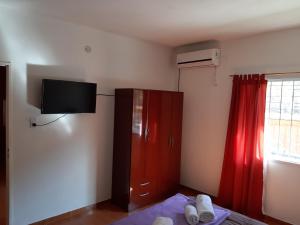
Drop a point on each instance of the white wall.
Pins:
(68, 164)
(206, 109)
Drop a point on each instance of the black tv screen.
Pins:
(60, 96)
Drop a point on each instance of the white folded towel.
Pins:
(191, 214)
(163, 221)
(204, 208)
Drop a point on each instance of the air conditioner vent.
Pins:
(202, 58)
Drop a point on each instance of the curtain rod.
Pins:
(278, 73)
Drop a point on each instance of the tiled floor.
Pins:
(103, 215)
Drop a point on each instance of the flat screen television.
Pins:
(60, 96)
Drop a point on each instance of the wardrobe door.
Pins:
(175, 148)
(138, 153)
(163, 160)
(150, 185)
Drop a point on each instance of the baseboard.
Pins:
(68, 215)
(269, 219)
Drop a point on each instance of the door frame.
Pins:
(8, 118)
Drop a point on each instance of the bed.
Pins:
(173, 207)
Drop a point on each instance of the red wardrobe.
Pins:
(147, 146)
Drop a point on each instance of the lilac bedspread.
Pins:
(172, 207)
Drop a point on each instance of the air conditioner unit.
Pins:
(201, 58)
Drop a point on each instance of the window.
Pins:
(282, 120)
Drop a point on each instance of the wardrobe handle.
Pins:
(145, 194)
(144, 184)
(170, 141)
(147, 133)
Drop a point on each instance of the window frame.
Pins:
(269, 154)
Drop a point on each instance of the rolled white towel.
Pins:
(191, 214)
(163, 221)
(204, 208)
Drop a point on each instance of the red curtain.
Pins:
(241, 185)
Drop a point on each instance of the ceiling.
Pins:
(171, 22)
